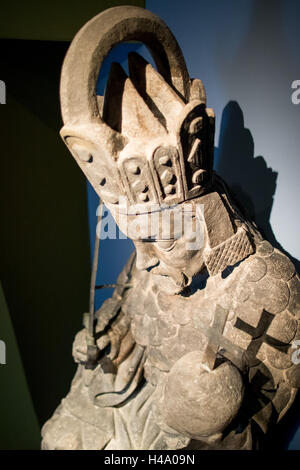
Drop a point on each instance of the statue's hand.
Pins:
(80, 346)
(109, 331)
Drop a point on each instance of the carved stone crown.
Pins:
(150, 138)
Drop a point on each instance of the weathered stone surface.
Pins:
(199, 310)
(273, 293)
(240, 338)
(63, 434)
(265, 249)
(198, 402)
(283, 327)
(282, 397)
(158, 359)
(280, 267)
(256, 269)
(249, 312)
(278, 359)
(293, 376)
(242, 292)
(294, 301)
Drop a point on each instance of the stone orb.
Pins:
(199, 402)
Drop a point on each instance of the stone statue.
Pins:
(198, 348)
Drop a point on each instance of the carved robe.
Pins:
(250, 313)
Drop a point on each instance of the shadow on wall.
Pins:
(253, 185)
(249, 178)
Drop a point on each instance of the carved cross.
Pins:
(217, 343)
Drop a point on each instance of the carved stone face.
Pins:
(173, 263)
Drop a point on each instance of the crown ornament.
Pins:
(150, 138)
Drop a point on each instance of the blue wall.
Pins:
(247, 54)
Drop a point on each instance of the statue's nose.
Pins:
(144, 260)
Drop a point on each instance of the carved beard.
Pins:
(172, 283)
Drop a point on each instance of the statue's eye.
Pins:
(166, 245)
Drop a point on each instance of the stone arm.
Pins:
(112, 328)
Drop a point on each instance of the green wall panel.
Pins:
(19, 427)
(51, 20)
